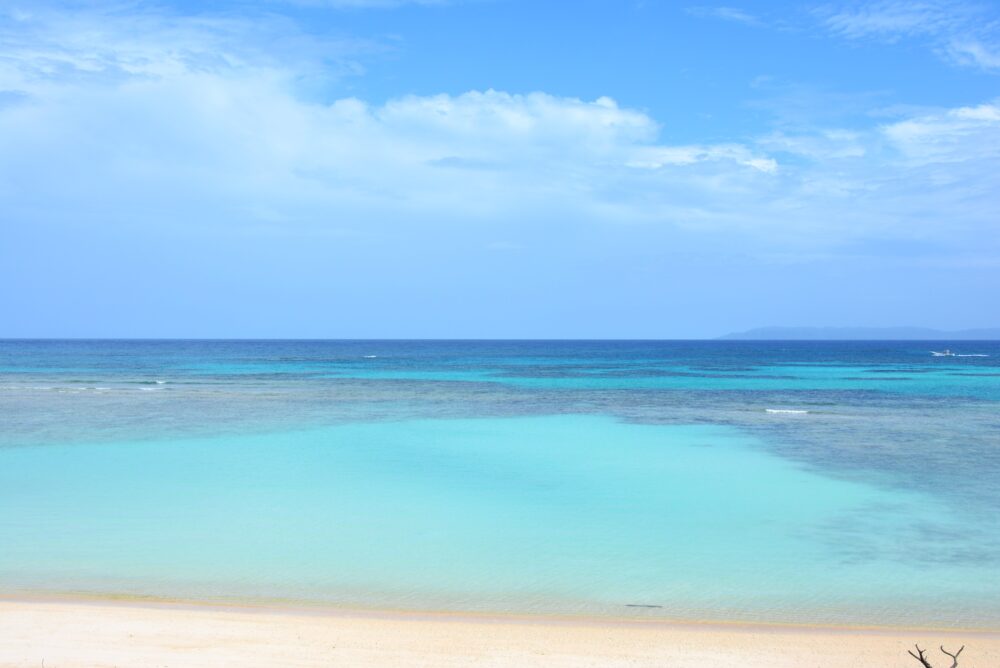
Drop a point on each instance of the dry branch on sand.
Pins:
(919, 656)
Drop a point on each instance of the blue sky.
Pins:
(496, 168)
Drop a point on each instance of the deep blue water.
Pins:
(839, 482)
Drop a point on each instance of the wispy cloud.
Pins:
(966, 33)
(114, 43)
(969, 51)
(892, 19)
(365, 4)
(961, 135)
(726, 14)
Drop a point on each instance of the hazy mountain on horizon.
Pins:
(863, 333)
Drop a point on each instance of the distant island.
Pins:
(863, 334)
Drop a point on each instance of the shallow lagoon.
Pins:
(557, 514)
(133, 473)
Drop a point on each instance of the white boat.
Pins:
(943, 353)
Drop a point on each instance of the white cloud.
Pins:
(657, 157)
(201, 136)
(818, 145)
(109, 109)
(964, 134)
(194, 129)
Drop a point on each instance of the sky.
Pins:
(496, 168)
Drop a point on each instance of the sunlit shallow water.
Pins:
(832, 483)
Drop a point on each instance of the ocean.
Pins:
(846, 483)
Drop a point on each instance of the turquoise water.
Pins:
(821, 483)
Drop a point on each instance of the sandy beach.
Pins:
(63, 634)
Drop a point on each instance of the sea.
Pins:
(835, 483)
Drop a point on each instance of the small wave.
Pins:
(19, 388)
(785, 410)
(370, 357)
(77, 390)
(972, 355)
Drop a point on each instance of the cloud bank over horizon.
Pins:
(182, 142)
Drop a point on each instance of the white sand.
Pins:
(92, 634)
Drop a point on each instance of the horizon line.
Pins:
(725, 337)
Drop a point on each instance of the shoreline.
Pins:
(319, 609)
(95, 631)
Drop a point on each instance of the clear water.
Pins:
(615, 478)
